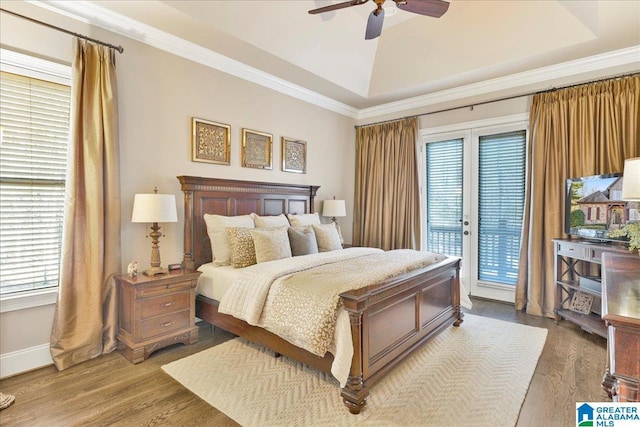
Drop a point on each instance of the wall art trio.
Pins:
(211, 143)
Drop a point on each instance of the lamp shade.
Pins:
(154, 208)
(631, 180)
(334, 208)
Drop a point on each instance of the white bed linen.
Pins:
(215, 280)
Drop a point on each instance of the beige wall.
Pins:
(159, 93)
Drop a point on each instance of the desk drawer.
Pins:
(165, 304)
(164, 324)
(163, 289)
(574, 250)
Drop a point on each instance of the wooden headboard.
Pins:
(230, 198)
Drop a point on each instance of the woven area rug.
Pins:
(477, 374)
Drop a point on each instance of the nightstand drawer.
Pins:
(165, 304)
(164, 324)
(163, 289)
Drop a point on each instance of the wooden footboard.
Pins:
(390, 320)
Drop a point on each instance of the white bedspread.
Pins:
(247, 297)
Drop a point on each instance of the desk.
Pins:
(621, 313)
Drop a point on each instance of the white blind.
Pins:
(444, 196)
(501, 191)
(34, 118)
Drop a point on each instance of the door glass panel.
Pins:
(501, 185)
(444, 174)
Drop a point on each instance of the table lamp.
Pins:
(154, 208)
(335, 209)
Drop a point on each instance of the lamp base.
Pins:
(154, 271)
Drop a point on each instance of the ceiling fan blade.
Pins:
(337, 6)
(374, 24)
(434, 8)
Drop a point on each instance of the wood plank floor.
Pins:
(110, 391)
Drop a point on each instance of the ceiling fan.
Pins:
(433, 8)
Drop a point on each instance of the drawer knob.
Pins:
(165, 324)
(169, 304)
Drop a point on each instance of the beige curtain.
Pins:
(579, 131)
(387, 199)
(85, 321)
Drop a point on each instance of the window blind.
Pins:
(501, 192)
(444, 196)
(34, 119)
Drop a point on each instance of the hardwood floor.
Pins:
(110, 391)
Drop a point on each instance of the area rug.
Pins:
(477, 374)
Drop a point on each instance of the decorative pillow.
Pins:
(243, 253)
(271, 243)
(304, 219)
(216, 225)
(327, 237)
(302, 240)
(270, 221)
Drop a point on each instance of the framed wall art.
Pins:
(257, 148)
(210, 142)
(294, 155)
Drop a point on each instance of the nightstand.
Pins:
(155, 312)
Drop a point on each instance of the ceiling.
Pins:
(484, 47)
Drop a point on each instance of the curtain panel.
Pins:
(387, 199)
(85, 320)
(579, 131)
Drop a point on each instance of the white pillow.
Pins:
(216, 225)
(327, 237)
(304, 219)
(271, 243)
(270, 221)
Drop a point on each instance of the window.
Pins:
(34, 119)
(501, 184)
(444, 196)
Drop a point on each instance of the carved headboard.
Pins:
(230, 198)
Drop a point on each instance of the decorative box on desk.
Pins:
(155, 312)
(578, 290)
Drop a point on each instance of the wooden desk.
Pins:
(621, 312)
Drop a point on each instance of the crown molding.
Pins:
(540, 75)
(93, 14)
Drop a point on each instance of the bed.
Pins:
(388, 320)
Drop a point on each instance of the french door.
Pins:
(473, 194)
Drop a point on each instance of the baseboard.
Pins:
(25, 360)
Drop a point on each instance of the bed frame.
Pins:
(389, 320)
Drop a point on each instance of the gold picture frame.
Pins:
(210, 142)
(257, 149)
(294, 155)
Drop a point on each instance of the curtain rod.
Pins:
(35, 21)
(500, 99)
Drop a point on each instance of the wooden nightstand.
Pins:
(155, 312)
